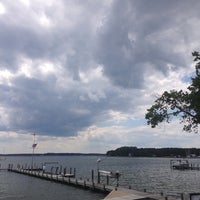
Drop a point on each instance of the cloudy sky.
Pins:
(81, 74)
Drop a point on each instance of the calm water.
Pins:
(152, 174)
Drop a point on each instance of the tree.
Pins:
(179, 104)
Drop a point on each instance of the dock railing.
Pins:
(108, 175)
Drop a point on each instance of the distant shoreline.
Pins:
(129, 151)
(54, 154)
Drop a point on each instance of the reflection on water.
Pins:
(152, 174)
(17, 187)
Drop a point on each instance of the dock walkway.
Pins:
(126, 194)
(68, 179)
(112, 192)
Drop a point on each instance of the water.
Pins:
(152, 174)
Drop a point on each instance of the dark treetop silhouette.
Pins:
(182, 104)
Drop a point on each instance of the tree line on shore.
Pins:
(154, 152)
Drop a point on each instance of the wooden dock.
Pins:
(112, 192)
(127, 194)
(67, 179)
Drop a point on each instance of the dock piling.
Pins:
(107, 180)
(98, 177)
(182, 196)
(74, 172)
(92, 175)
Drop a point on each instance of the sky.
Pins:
(81, 74)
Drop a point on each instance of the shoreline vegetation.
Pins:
(128, 151)
(155, 152)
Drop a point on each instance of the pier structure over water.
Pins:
(112, 192)
(64, 177)
(183, 164)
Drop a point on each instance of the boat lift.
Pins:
(108, 175)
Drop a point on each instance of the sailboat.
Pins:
(34, 145)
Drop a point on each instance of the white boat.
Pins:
(180, 164)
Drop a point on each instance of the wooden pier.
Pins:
(127, 194)
(68, 179)
(112, 192)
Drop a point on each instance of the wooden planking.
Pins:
(127, 194)
(66, 180)
(113, 193)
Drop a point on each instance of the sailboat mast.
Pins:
(33, 146)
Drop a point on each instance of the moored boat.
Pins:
(180, 164)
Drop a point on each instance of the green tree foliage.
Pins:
(182, 104)
(153, 152)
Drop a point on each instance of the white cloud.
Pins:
(5, 77)
(26, 2)
(2, 9)
(44, 20)
(117, 116)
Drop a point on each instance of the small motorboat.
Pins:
(180, 164)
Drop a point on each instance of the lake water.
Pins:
(152, 174)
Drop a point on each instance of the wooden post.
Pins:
(182, 197)
(56, 170)
(64, 171)
(84, 184)
(70, 170)
(107, 180)
(60, 169)
(51, 172)
(92, 176)
(98, 177)
(93, 186)
(74, 172)
(117, 177)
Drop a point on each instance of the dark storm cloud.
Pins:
(143, 34)
(22, 34)
(34, 105)
(38, 106)
(125, 38)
